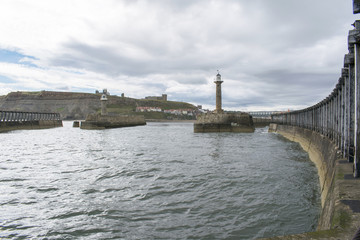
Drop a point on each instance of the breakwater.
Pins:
(98, 121)
(15, 120)
(224, 122)
(340, 193)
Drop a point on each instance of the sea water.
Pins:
(159, 181)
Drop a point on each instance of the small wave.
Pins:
(50, 189)
(90, 191)
(77, 233)
(10, 202)
(13, 180)
(157, 194)
(114, 190)
(72, 214)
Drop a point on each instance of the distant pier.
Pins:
(15, 120)
(220, 121)
(104, 120)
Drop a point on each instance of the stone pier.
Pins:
(103, 120)
(220, 121)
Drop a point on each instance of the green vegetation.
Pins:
(165, 105)
(152, 115)
(339, 176)
(114, 108)
(30, 93)
(341, 218)
(324, 233)
(128, 106)
(83, 104)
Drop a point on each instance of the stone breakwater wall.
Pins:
(340, 191)
(97, 121)
(35, 124)
(224, 122)
(15, 120)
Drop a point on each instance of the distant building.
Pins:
(104, 91)
(189, 112)
(148, 109)
(161, 98)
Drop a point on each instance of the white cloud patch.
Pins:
(272, 54)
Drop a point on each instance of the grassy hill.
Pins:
(79, 105)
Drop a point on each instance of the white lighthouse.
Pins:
(103, 100)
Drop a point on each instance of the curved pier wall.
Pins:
(324, 154)
(340, 191)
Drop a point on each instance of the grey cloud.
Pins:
(241, 38)
(105, 60)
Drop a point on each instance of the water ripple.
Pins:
(159, 181)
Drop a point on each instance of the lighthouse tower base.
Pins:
(224, 122)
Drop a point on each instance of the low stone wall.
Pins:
(340, 192)
(97, 121)
(36, 124)
(261, 122)
(224, 122)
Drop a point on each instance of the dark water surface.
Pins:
(159, 181)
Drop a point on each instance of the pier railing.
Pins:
(15, 116)
(337, 116)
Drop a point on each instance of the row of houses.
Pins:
(190, 112)
(148, 109)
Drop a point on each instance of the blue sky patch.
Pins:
(4, 79)
(15, 57)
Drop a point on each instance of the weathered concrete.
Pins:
(340, 191)
(98, 121)
(24, 125)
(261, 122)
(224, 122)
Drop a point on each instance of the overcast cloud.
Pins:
(273, 55)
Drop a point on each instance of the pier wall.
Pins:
(340, 192)
(261, 122)
(224, 122)
(97, 121)
(14, 120)
(36, 124)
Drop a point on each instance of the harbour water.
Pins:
(159, 181)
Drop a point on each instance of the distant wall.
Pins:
(97, 121)
(261, 122)
(224, 122)
(36, 124)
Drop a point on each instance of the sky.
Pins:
(272, 55)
